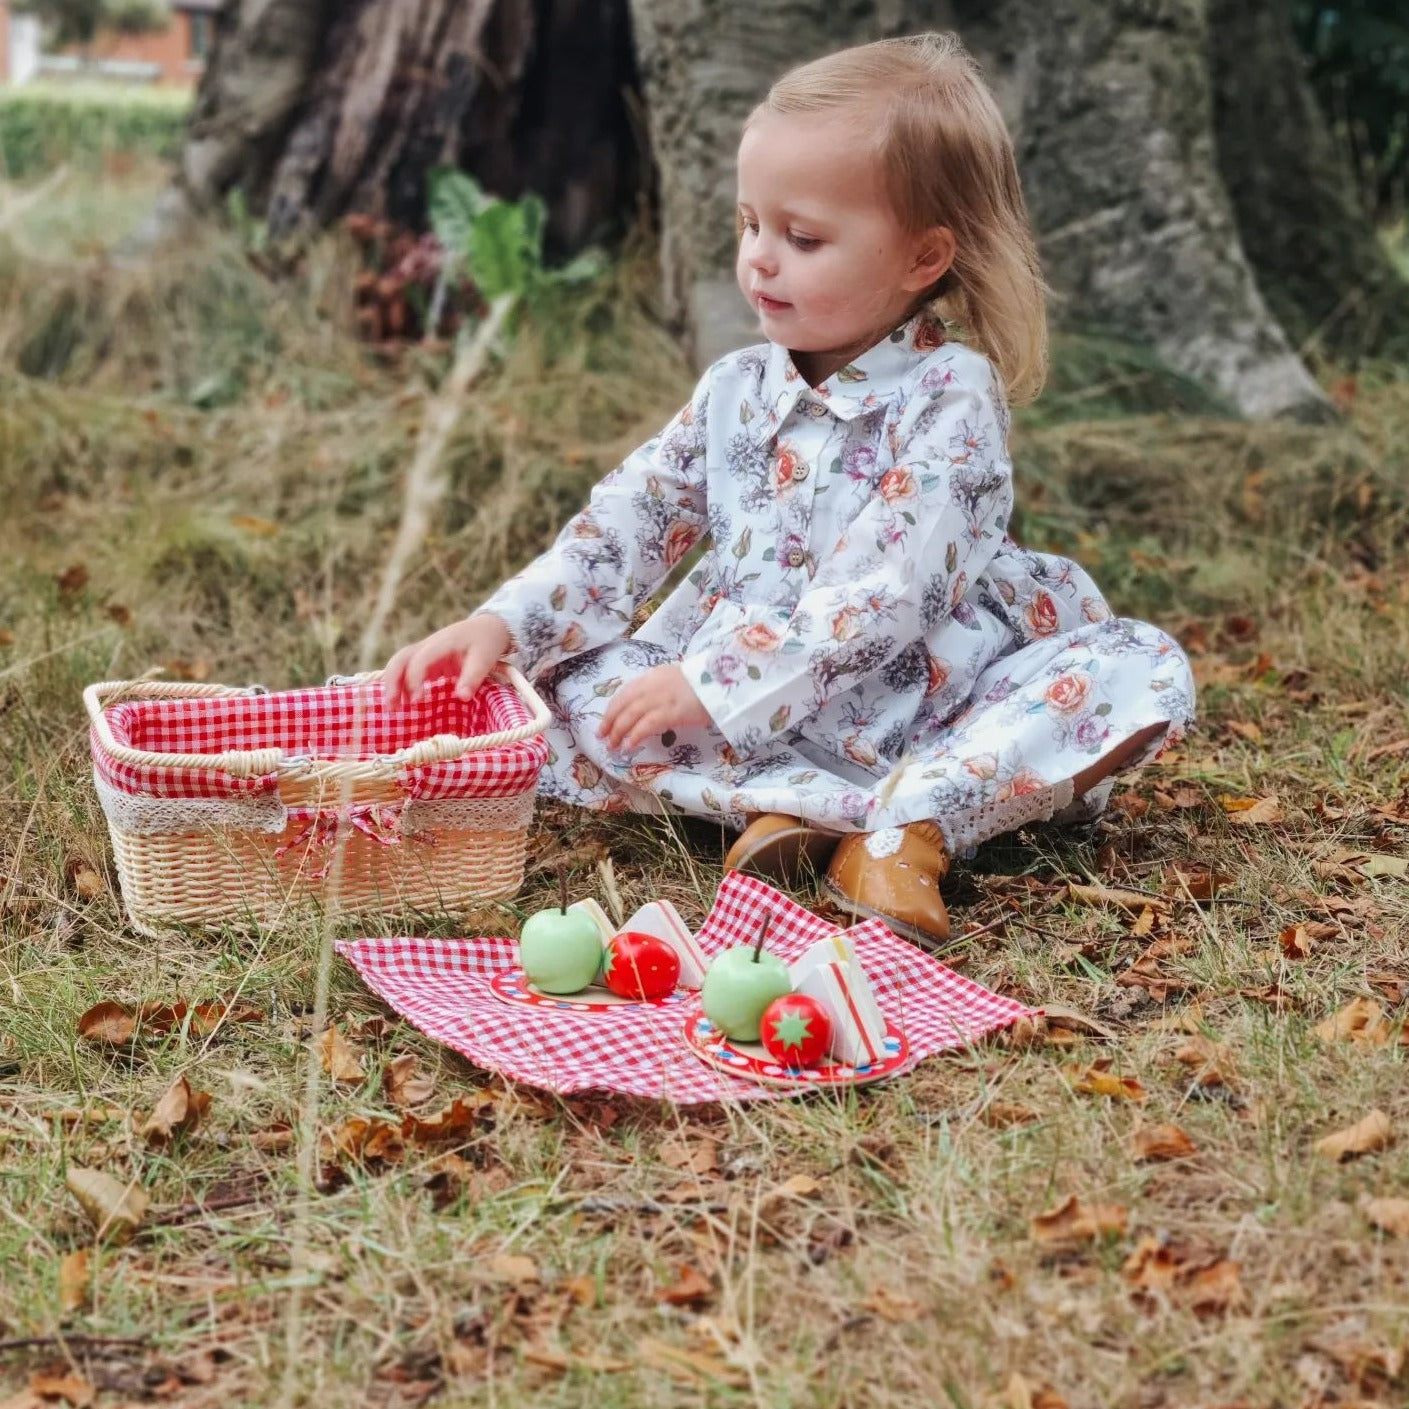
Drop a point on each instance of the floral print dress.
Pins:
(871, 646)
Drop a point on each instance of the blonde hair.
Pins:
(948, 160)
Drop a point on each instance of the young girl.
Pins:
(863, 668)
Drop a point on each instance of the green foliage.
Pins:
(43, 127)
(251, 231)
(1095, 377)
(1359, 66)
(77, 21)
(499, 243)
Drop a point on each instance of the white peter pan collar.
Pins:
(865, 383)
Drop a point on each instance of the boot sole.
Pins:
(858, 911)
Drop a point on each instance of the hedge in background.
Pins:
(44, 127)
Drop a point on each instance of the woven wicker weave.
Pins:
(337, 832)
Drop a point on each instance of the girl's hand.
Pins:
(660, 699)
(470, 648)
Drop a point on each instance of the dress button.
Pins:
(800, 473)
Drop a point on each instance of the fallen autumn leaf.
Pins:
(697, 1154)
(891, 1306)
(72, 1389)
(1212, 1062)
(405, 1084)
(1295, 942)
(512, 1267)
(113, 1209)
(180, 1109)
(89, 884)
(1161, 1142)
(73, 1280)
(1095, 1080)
(1073, 1222)
(1363, 1138)
(1155, 1265)
(1253, 811)
(455, 1124)
(1108, 895)
(1213, 1288)
(1001, 1115)
(109, 1023)
(340, 1059)
(688, 1364)
(1389, 1214)
(690, 1288)
(1019, 1394)
(1362, 1021)
(796, 1186)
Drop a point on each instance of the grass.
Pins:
(113, 201)
(201, 470)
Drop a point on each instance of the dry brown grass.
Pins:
(243, 537)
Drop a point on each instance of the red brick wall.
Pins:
(4, 42)
(170, 48)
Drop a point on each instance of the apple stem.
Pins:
(762, 934)
(563, 889)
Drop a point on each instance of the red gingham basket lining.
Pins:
(319, 722)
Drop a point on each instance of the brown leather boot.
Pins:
(780, 848)
(894, 875)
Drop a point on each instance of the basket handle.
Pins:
(441, 748)
(256, 763)
(240, 763)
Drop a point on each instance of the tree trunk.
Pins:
(260, 63)
(314, 110)
(1112, 113)
(704, 65)
(1324, 273)
(1111, 110)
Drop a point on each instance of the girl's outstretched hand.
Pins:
(659, 700)
(469, 649)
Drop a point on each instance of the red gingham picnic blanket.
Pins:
(442, 987)
(322, 722)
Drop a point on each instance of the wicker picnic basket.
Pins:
(230, 805)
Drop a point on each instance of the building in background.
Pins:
(20, 45)
(173, 57)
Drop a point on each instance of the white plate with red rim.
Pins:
(510, 986)
(751, 1060)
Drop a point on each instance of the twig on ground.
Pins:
(184, 1213)
(425, 481)
(610, 1205)
(61, 1338)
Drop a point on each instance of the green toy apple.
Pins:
(740, 984)
(561, 949)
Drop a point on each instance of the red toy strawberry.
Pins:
(796, 1030)
(640, 966)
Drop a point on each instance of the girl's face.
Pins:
(822, 256)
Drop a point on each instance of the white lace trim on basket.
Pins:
(468, 814)
(140, 814)
(965, 830)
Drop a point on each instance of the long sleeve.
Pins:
(641, 519)
(901, 566)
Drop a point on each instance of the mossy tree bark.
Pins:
(704, 65)
(314, 109)
(1323, 271)
(1111, 107)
